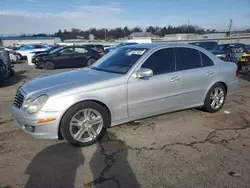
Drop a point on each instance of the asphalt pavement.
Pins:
(188, 148)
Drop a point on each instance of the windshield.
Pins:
(120, 61)
(56, 50)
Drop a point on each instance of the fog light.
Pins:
(30, 128)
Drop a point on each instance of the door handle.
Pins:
(174, 79)
(210, 73)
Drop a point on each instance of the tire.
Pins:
(12, 72)
(19, 57)
(1, 78)
(69, 132)
(49, 65)
(91, 61)
(208, 103)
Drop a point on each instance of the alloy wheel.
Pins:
(86, 125)
(217, 98)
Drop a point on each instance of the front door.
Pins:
(159, 93)
(65, 58)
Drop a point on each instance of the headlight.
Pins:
(35, 105)
(221, 55)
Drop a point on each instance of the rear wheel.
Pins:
(215, 98)
(91, 61)
(84, 123)
(49, 65)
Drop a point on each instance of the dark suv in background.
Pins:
(208, 45)
(223, 50)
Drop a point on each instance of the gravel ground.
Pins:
(189, 148)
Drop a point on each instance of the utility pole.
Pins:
(105, 35)
(230, 27)
(188, 30)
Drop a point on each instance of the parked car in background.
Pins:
(208, 45)
(2, 72)
(14, 57)
(131, 83)
(68, 57)
(223, 50)
(32, 57)
(25, 50)
(118, 46)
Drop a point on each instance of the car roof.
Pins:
(232, 44)
(159, 45)
(203, 42)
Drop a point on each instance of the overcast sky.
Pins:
(48, 16)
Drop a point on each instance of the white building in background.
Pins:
(142, 35)
(193, 36)
(16, 41)
(91, 37)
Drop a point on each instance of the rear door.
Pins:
(198, 71)
(81, 57)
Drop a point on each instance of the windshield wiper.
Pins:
(106, 70)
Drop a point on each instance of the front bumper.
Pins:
(42, 131)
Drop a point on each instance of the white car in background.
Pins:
(25, 50)
(13, 55)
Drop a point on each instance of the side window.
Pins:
(67, 51)
(81, 50)
(161, 61)
(206, 61)
(188, 58)
(38, 46)
(210, 45)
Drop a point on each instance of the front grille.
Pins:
(19, 98)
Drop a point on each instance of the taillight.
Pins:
(237, 72)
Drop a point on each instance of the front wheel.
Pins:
(84, 123)
(49, 65)
(215, 98)
(19, 57)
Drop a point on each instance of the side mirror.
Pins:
(144, 73)
(58, 53)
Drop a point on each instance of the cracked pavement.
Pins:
(188, 148)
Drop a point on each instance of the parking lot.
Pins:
(189, 148)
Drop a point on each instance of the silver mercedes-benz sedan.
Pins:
(130, 83)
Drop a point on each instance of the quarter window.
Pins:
(160, 62)
(188, 58)
(206, 61)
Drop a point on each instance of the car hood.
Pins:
(41, 54)
(56, 82)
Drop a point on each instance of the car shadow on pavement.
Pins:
(55, 166)
(245, 77)
(117, 171)
(12, 80)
